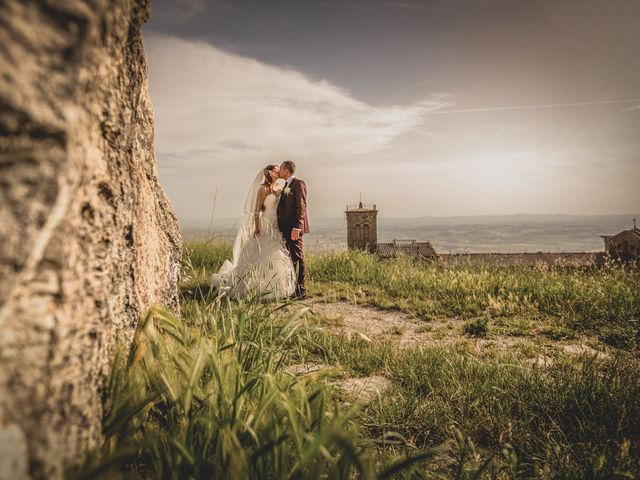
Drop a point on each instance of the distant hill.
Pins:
(517, 219)
(487, 233)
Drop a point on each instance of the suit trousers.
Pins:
(297, 256)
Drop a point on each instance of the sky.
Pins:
(423, 107)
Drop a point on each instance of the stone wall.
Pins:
(88, 239)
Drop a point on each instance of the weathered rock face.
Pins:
(88, 239)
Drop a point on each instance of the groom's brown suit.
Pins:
(292, 213)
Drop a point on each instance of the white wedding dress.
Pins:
(261, 266)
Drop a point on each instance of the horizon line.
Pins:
(631, 216)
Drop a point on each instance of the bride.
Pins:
(261, 264)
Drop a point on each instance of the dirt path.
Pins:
(406, 331)
(373, 324)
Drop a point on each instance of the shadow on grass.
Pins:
(201, 292)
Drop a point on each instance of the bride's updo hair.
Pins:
(267, 175)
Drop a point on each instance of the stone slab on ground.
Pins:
(363, 390)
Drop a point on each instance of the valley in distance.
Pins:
(519, 233)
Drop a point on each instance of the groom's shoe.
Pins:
(299, 295)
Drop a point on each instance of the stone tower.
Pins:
(362, 228)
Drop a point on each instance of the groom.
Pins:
(293, 221)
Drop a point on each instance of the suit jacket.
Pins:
(292, 208)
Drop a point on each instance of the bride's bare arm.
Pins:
(262, 194)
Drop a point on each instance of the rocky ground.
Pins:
(533, 345)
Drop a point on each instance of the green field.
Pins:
(218, 392)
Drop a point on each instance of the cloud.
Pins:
(213, 106)
(540, 106)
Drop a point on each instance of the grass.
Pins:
(396, 330)
(206, 397)
(604, 301)
(477, 327)
(558, 332)
(576, 419)
(207, 394)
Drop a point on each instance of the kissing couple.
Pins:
(268, 254)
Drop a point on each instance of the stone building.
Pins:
(362, 234)
(362, 227)
(412, 248)
(625, 245)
